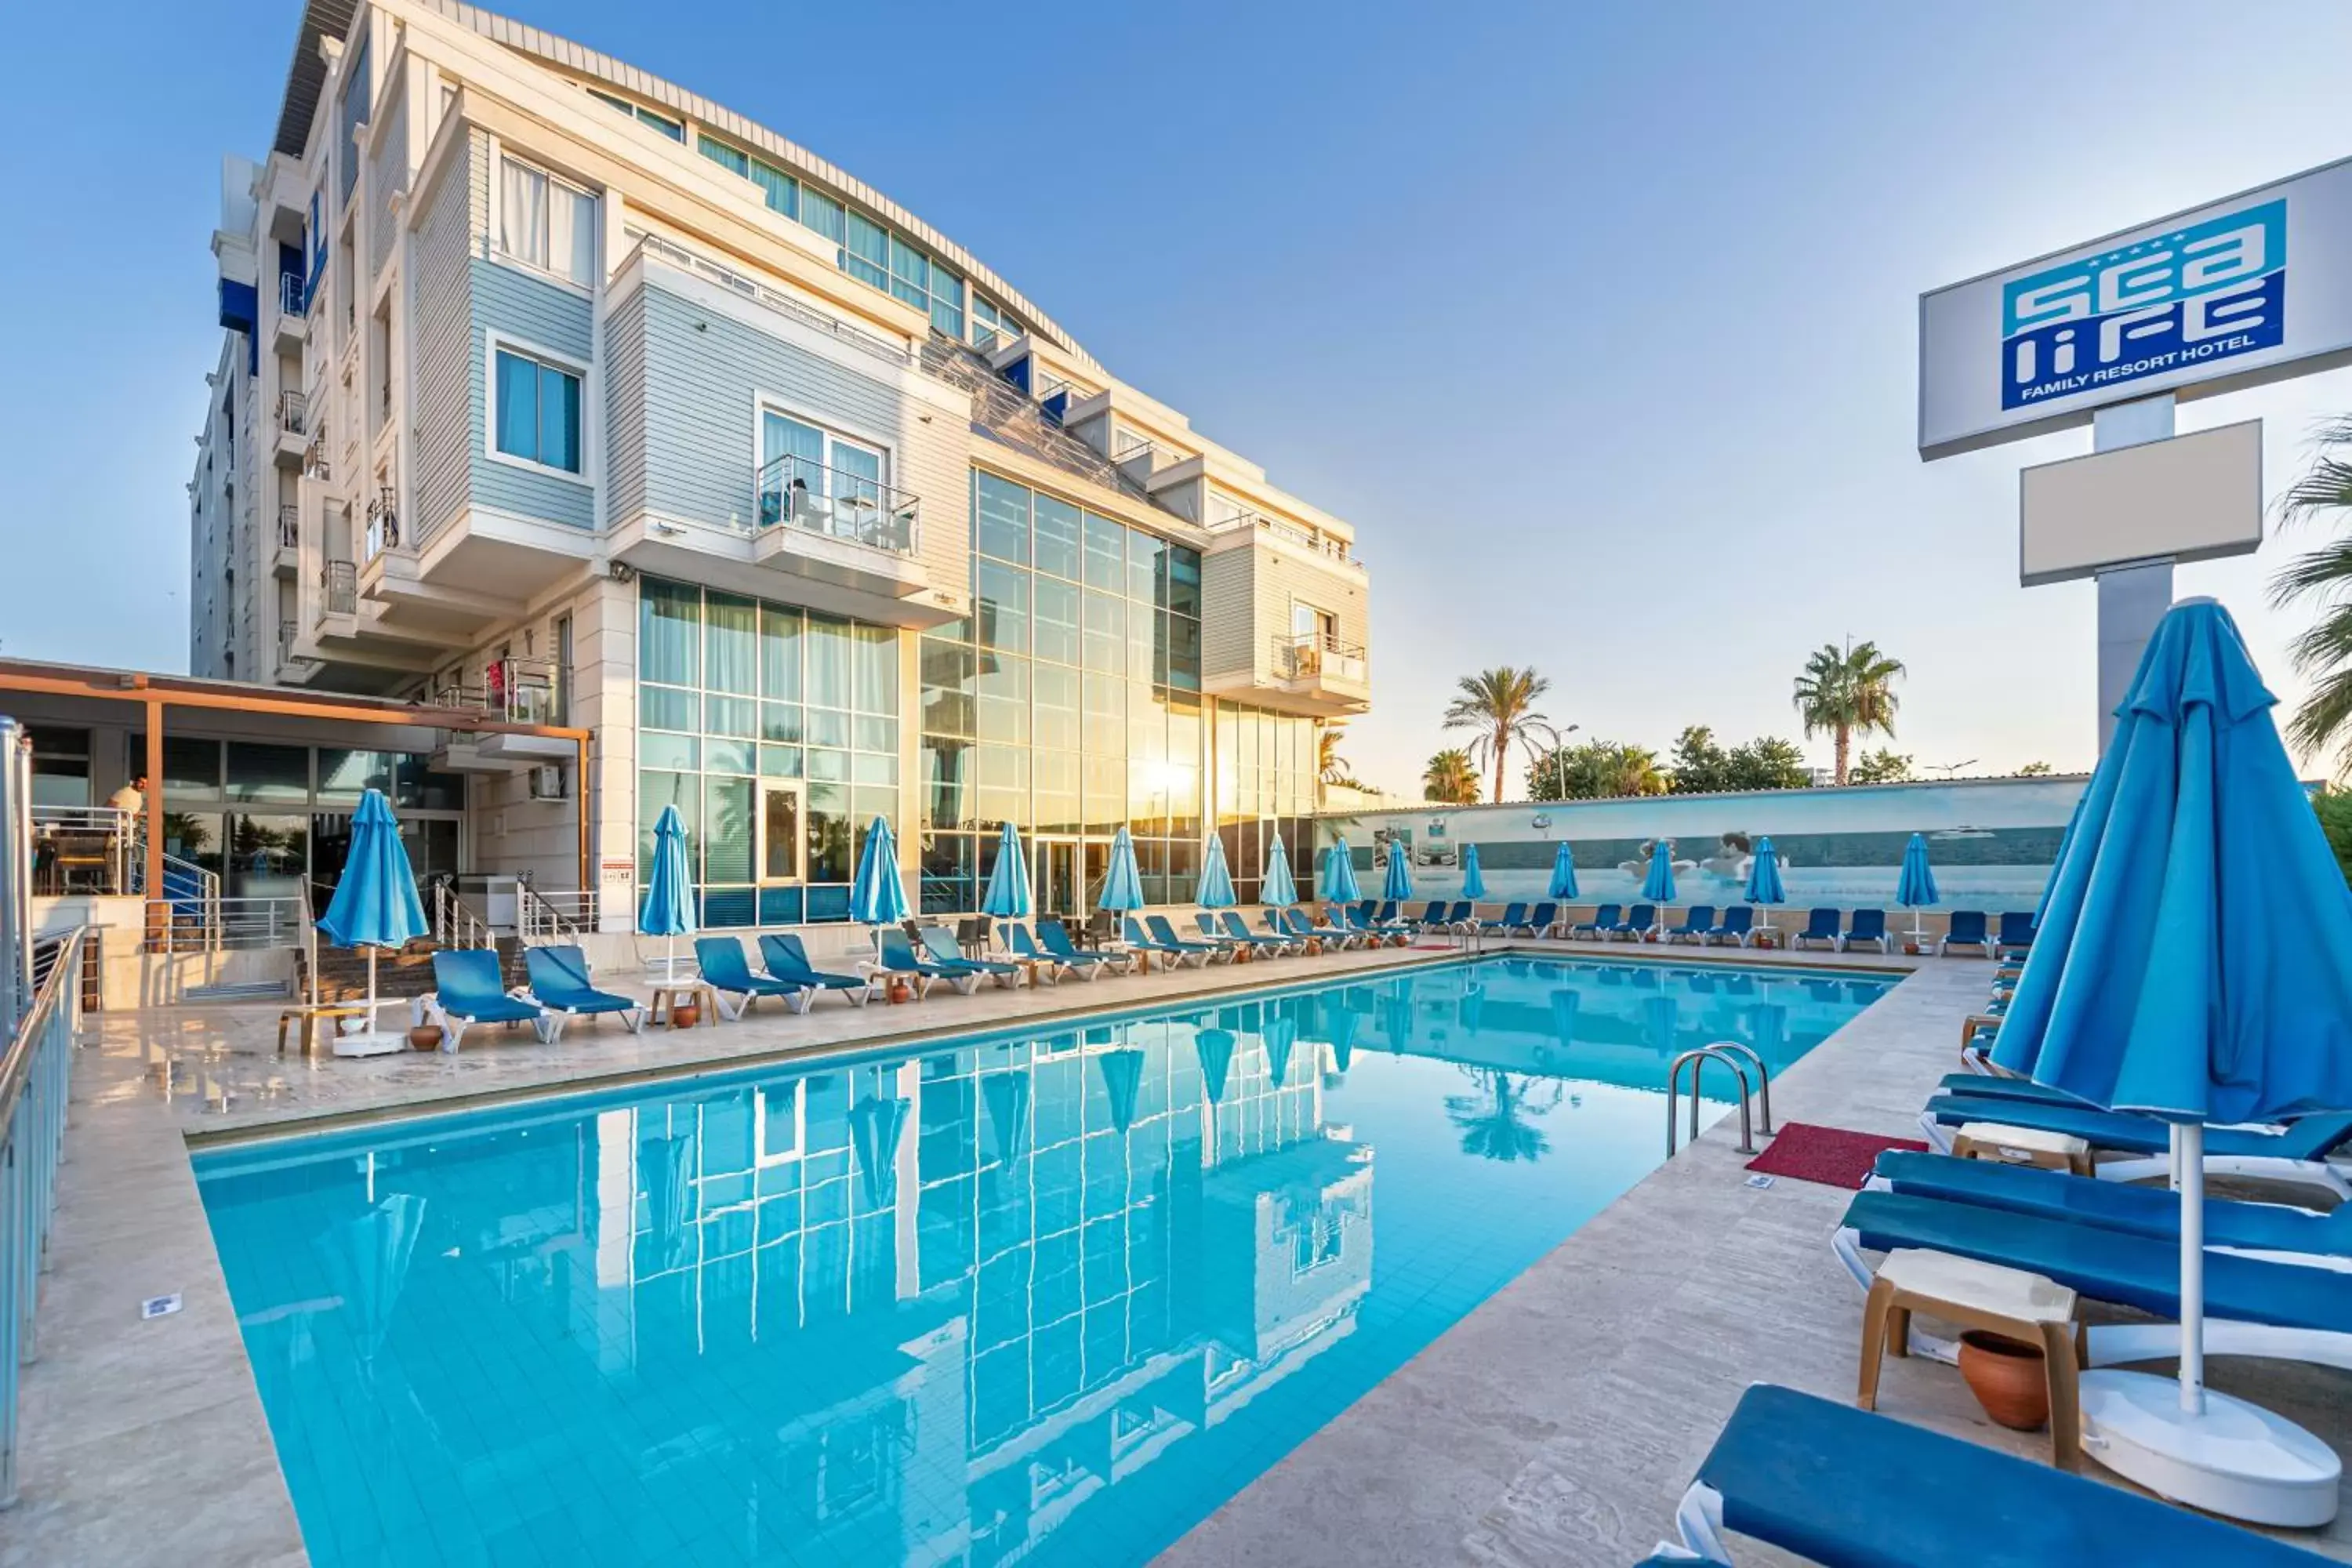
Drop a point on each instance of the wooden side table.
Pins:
(666, 994)
(308, 1014)
(2024, 1146)
(2008, 1301)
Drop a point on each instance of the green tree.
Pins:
(2335, 809)
(1500, 705)
(1699, 765)
(1332, 768)
(1881, 766)
(1766, 762)
(2034, 770)
(2323, 652)
(1848, 693)
(1595, 770)
(1450, 778)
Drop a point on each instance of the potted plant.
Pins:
(2008, 1378)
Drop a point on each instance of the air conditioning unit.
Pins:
(547, 781)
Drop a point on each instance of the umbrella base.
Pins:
(371, 1044)
(2235, 1460)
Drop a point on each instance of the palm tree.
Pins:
(1500, 704)
(1330, 767)
(1848, 693)
(2323, 652)
(1492, 1121)
(1450, 779)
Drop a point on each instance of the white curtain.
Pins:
(572, 235)
(522, 214)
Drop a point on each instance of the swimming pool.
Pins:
(1052, 1294)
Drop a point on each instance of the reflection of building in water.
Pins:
(967, 1294)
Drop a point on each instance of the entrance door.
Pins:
(1059, 891)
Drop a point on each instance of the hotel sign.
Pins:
(2246, 290)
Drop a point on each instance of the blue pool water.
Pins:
(1052, 1296)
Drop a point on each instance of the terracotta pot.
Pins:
(425, 1037)
(685, 1015)
(900, 992)
(2006, 1375)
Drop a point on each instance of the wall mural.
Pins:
(1991, 843)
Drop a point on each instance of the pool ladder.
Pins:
(1729, 1053)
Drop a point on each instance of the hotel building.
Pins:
(550, 390)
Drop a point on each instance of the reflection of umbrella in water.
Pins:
(1341, 1011)
(1659, 1014)
(1216, 1051)
(668, 1167)
(874, 1129)
(1396, 1015)
(1470, 1011)
(1122, 1075)
(367, 1260)
(1007, 1094)
(1768, 1030)
(1564, 1004)
(1281, 1034)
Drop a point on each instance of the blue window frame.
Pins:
(537, 412)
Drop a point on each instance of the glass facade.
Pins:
(1068, 703)
(753, 716)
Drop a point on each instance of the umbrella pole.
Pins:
(370, 1012)
(2189, 1161)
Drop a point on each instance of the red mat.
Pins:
(1831, 1155)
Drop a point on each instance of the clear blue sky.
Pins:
(1597, 320)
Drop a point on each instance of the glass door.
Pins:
(1059, 892)
(781, 840)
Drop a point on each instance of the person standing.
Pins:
(130, 802)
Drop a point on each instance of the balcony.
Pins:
(1330, 547)
(384, 521)
(293, 439)
(513, 692)
(286, 552)
(293, 305)
(339, 592)
(1320, 672)
(835, 503)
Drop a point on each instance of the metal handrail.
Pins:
(338, 585)
(542, 919)
(519, 690)
(1763, 1081)
(753, 289)
(36, 1077)
(384, 521)
(290, 526)
(292, 300)
(225, 924)
(800, 492)
(291, 413)
(1303, 654)
(1698, 1057)
(1305, 537)
(454, 921)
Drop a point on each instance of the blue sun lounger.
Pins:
(1230, 923)
(1639, 922)
(895, 958)
(1848, 1488)
(1139, 940)
(1541, 919)
(1698, 924)
(1329, 935)
(788, 961)
(939, 947)
(1055, 938)
(1434, 915)
(728, 973)
(1515, 915)
(1867, 925)
(1737, 926)
(1043, 965)
(1165, 934)
(469, 990)
(2016, 933)
(1604, 919)
(2253, 1306)
(559, 982)
(1965, 929)
(2112, 1206)
(2299, 1153)
(1820, 925)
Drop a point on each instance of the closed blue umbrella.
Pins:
(877, 898)
(669, 892)
(1563, 873)
(1279, 890)
(1915, 889)
(1007, 897)
(2194, 962)
(1339, 875)
(1122, 1076)
(1281, 1038)
(375, 905)
(1764, 879)
(1474, 880)
(1398, 887)
(1216, 889)
(1658, 886)
(1123, 883)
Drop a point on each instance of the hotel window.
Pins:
(644, 116)
(537, 412)
(733, 160)
(817, 479)
(546, 224)
(990, 325)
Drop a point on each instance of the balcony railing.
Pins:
(1312, 655)
(1289, 532)
(289, 527)
(293, 300)
(517, 691)
(339, 586)
(291, 413)
(286, 634)
(797, 492)
(384, 521)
